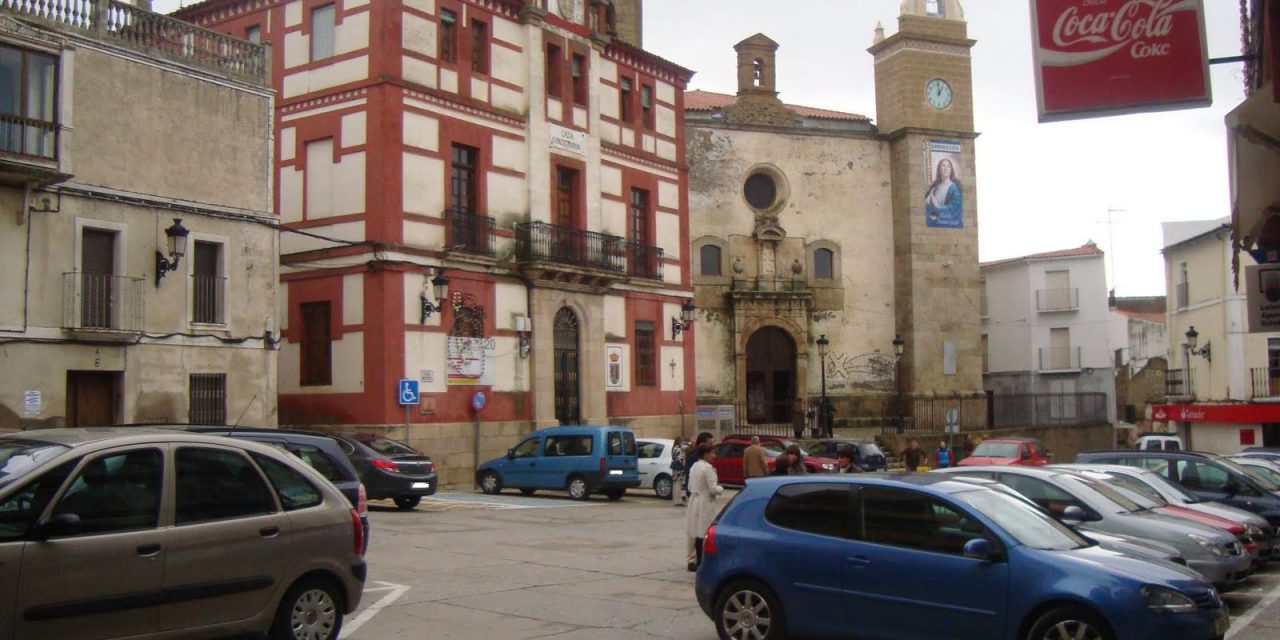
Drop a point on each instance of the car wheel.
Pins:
(747, 610)
(408, 502)
(490, 483)
(662, 487)
(310, 610)
(578, 488)
(615, 494)
(527, 492)
(1069, 623)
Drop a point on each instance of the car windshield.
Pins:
(1097, 490)
(870, 449)
(389, 447)
(997, 450)
(772, 449)
(19, 457)
(1027, 524)
(1263, 470)
(1262, 481)
(1166, 488)
(1141, 492)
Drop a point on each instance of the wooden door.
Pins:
(92, 398)
(771, 364)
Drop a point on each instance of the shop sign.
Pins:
(1241, 413)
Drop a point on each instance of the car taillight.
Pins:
(362, 501)
(357, 529)
(386, 465)
(709, 542)
(602, 464)
(431, 466)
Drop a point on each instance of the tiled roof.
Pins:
(1089, 249)
(699, 100)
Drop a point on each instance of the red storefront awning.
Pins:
(1251, 413)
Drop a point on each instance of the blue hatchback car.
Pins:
(923, 556)
(579, 459)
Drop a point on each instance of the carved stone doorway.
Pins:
(770, 376)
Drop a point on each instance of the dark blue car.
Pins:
(923, 556)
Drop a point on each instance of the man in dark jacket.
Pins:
(913, 456)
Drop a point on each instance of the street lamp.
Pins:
(685, 321)
(899, 346)
(823, 409)
(440, 286)
(1192, 334)
(176, 236)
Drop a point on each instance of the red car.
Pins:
(729, 452)
(1024, 452)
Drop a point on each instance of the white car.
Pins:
(655, 465)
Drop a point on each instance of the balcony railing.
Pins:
(101, 302)
(1264, 383)
(644, 261)
(27, 137)
(469, 233)
(1059, 358)
(1058, 299)
(564, 245)
(208, 299)
(770, 284)
(151, 32)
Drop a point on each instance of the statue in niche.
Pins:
(768, 254)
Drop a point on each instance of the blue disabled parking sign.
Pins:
(408, 392)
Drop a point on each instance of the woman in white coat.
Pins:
(704, 487)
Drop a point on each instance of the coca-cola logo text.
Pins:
(1139, 25)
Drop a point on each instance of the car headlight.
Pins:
(1165, 600)
(1209, 545)
(827, 466)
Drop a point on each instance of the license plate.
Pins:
(422, 485)
(615, 472)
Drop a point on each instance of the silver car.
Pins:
(148, 533)
(1075, 499)
(1158, 487)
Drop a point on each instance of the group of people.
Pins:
(913, 456)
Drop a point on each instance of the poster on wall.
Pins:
(469, 361)
(1262, 283)
(944, 197)
(613, 368)
(1106, 57)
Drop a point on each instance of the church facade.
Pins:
(837, 257)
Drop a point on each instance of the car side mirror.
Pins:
(511, 454)
(1074, 515)
(59, 526)
(978, 549)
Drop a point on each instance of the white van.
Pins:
(1159, 442)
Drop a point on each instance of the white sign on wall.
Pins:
(1262, 284)
(614, 368)
(568, 140)
(32, 402)
(469, 361)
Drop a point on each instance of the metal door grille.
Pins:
(568, 410)
(208, 399)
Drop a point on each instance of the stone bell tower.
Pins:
(924, 105)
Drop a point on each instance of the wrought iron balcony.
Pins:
(644, 261)
(101, 302)
(28, 137)
(469, 232)
(539, 241)
(1059, 358)
(208, 299)
(1048, 300)
(1265, 383)
(1175, 383)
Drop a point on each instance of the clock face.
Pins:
(938, 93)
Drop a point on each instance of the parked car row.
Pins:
(1119, 544)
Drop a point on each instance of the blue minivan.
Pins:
(579, 459)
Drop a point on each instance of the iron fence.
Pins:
(1175, 383)
(1048, 410)
(101, 301)
(565, 245)
(469, 232)
(208, 295)
(644, 261)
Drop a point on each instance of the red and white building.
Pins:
(518, 147)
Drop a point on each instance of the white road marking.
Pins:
(394, 591)
(1241, 623)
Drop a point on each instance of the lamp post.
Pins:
(176, 238)
(1190, 346)
(440, 287)
(685, 321)
(823, 409)
(898, 348)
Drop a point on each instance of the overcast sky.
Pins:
(1041, 187)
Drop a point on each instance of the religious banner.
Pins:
(1106, 57)
(944, 197)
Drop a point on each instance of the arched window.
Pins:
(823, 264)
(709, 255)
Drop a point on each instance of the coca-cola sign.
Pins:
(1100, 57)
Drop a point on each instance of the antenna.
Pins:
(1111, 245)
(246, 410)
